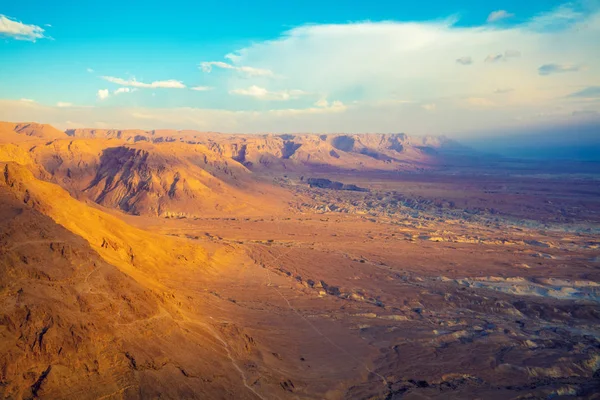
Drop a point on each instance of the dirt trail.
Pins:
(225, 345)
(313, 327)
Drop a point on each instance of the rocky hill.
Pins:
(82, 310)
(19, 132)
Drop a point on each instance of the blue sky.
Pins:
(438, 67)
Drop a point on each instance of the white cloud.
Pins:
(499, 15)
(201, 88)
(429, 107)
(207, 66)
(18, 30)
(264, 94)
(64, 104)
(27, 101)
(103, 94)
(168, 84)
(232, 57)
(89, 70)
(124, 90)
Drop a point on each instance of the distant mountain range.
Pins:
(189, 173)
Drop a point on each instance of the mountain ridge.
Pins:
(171, 173)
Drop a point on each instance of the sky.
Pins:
(461, 68)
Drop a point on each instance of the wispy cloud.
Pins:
(321, 107)
(168, 84)
(264, 94)
(429, 107)
(465, 60)
(560, 18)
(207, 66)
(201, 88)
(592, 92)
(27, 100)
(18, 30)
(64, 104)
(548, 69)
(265, 119)
(102, 94)
(89, 70)
(499, 15)
(585, 113)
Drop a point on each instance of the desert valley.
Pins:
(182, 264)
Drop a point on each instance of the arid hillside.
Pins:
(165, 179)
(179, 264)
(188, 173)
(83, 311)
